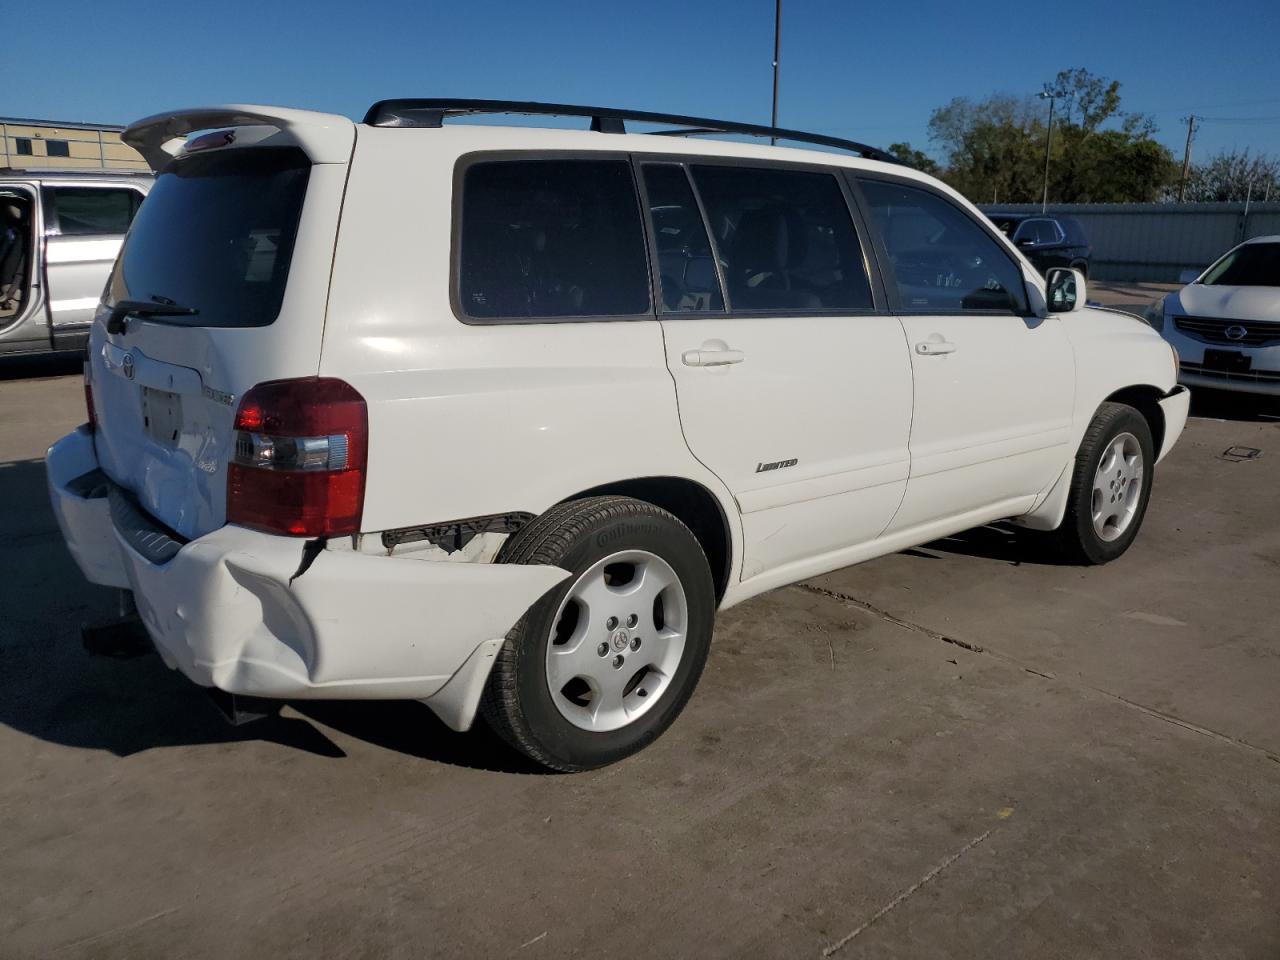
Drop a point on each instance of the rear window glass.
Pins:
(217, 234)
(88, 211)
(1253, 265)
(551, 238)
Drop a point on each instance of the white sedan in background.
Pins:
(1225, 324)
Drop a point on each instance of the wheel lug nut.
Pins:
(611, 623)
(603, 649)
(635, 643)
(617, 661)
(632, 620)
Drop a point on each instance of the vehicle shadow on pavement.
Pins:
(994, 542)
(408, 727)
(39, 365)
(51, 688)
(1229, 405)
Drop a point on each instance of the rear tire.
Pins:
(602, 665)
(1110, 488)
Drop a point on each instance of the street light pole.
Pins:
(777, 48)
(1048, 143)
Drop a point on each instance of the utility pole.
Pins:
(1052, 97)
(777, 51)
(1186, 158)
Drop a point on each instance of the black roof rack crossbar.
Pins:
(433, 113)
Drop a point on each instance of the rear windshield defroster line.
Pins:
(216, 234)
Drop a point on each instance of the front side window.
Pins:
(686, 263)
(785, 239)
(1253, 265)
(942, 260)
(542, 239)
(86, 211)
(57, 148)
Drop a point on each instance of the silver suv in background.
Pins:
(59, 236)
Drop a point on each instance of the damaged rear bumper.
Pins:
(239, 611)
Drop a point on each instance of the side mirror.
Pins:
(1065, 290)
(1188, 276)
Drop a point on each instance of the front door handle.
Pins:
(711, 358)
(931, 348)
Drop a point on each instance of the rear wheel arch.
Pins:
(693, 505)
(1146, 400)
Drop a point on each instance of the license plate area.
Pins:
(162, 415)
(1227, 361)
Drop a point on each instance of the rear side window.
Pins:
(785, 239)
(542, 239)
(216, 234)
(942, 260)
(86, 211)
(686, 264)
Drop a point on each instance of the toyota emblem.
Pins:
(1235, 332)
(127, 366)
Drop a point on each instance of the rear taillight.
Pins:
(299, 462)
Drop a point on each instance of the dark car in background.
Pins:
(1047, 240)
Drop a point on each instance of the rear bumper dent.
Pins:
(230, 612)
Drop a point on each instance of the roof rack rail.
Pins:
(433, 112)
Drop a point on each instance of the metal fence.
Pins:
(1157, 241)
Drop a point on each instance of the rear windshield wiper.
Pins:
(145, 308)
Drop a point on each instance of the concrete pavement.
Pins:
(956, 751)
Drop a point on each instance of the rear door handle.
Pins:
(930, 348)
(711, 358)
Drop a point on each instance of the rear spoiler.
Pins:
(324, 137)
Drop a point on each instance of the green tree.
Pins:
(912, 157)
(1234, 175)
(994, 148)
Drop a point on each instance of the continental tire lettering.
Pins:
(623, 531)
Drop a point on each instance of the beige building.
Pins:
(51, 145)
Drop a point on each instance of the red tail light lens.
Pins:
(300, 456)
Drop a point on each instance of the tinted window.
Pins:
(23, 146)
(686, 265)
(81, 211)
(942, 260)
(785, 239)
(1037, 231)
(1253, 265)
(57, 148)
(552, 238)
(217, 234)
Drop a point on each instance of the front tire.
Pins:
(598, 668)
(1110, 487)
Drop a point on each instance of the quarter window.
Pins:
(785, 239)
(542, 239)
(86, 211)
(686, 264)
(942, 260)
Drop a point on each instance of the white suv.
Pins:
(498, 417)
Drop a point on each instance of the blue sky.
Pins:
(871, 71)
